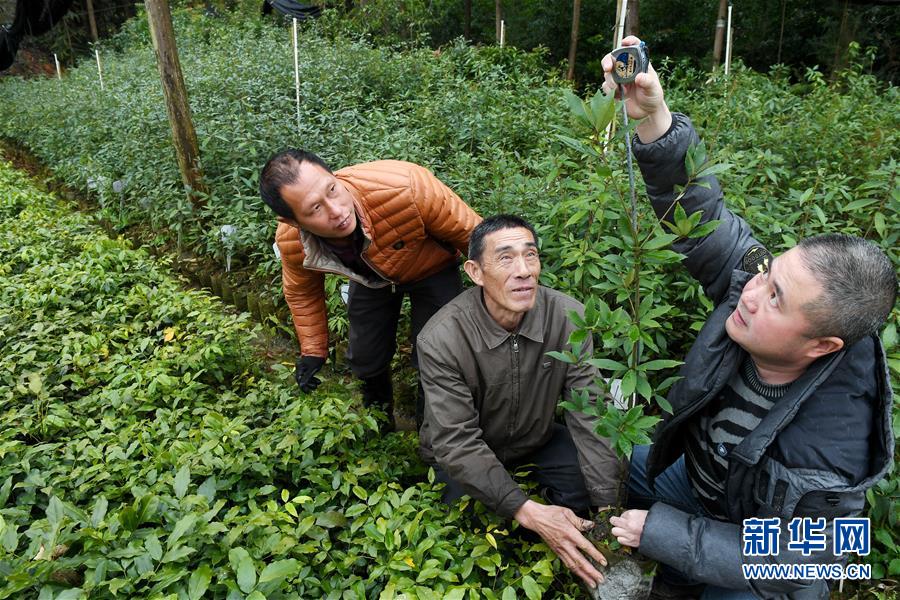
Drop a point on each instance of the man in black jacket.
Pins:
(783, 410)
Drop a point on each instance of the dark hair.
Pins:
(281, 170)
(859, 286)
(489, 226)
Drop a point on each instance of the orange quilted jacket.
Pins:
(414, 227)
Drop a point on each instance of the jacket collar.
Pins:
(532, 325)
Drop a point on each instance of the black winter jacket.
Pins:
(815, 453)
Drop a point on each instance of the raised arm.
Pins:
(661, 144)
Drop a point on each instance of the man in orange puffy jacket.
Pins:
(392, 228)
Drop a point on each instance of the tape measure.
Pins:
(628, 61)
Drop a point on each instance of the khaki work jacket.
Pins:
(491, 398)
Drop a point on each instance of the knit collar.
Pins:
(766, 390)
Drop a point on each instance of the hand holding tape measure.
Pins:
(629, 74)
(628, 61)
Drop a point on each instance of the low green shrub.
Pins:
(145, 451)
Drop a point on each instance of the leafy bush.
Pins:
(145, 452)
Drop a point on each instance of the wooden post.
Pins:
(842, 42)
(633, 19)
(720, 33)
(91, 20)
(467, 22)
(183, 135)
(498, 16)
(781, 37)
(573, 39)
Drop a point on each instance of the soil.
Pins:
(627, 575)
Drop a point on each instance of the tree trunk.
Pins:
(843, 40)
(573, 40)
(91, 20)
(720, 33)
(781, 32)
(183, 135)
(632, 19)
(498, 16)
(467, 22)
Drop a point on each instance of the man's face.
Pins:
(769, 321)
(320, 202)
(508, 273)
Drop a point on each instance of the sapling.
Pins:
(624, 332)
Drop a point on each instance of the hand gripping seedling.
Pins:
(628, 61)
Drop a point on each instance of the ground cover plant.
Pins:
(146, 453)
(805, 158)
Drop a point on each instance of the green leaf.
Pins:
(71, 594)
(603, 110)
(199, 582)
(183, 526)
(578, 336)
(655, 365)
(643, 387)
(182, 480)
(629, 383)
(889, 336)
(894, 567)
(331, 519)
(565, 357)
(35, 385)
(153, 547)
(660, 240)
(457, 593)
(884, 537)
(509, 593)
(576, 105)
(256, 595)
(4, 491)
(706, 171)
(607, 364)
(242, 565)
(857, 204)
(99, 512)
(55, 511)
(531, 588)
(279, 570)
(177, 554)
(207, 489)
(577, 146)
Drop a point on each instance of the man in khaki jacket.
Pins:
(392, 228)
(491, 394)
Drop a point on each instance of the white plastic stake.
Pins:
(58, 71)
(620, 27)
(99, 69)
(297, 74)
(225, 232)
(728, 42)
(502, 32)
